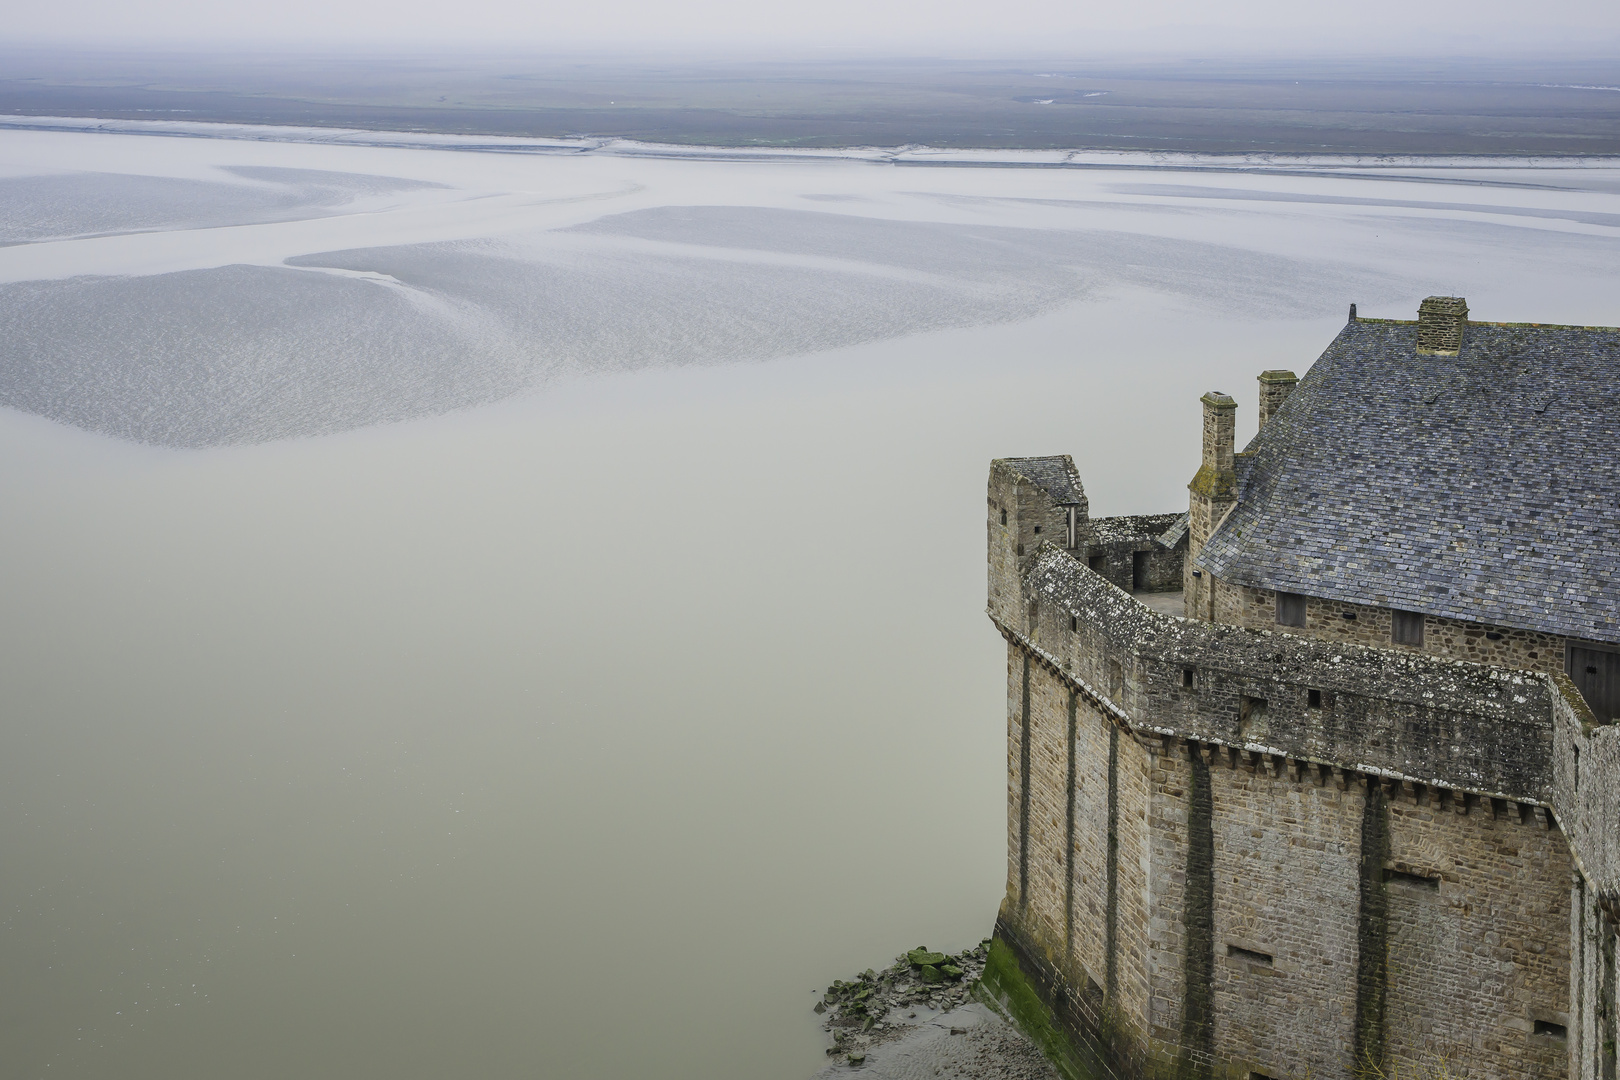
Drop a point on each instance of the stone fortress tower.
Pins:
(1322, 777)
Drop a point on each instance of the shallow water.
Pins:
(531, 624)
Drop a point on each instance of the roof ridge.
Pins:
(1488, 322)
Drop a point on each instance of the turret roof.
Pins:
(1055, 475)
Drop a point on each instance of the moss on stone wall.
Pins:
(1005, 988)
(1214, 484)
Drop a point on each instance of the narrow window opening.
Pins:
(1074, 623)
(1139, 571)
(1290, 609)
(1004, 517)
(1187, 677)
(1577, 767)
(1406, 628)
(1097, 562)
(1551, 1030)
(1416, 881)
(1073, 534)
(1037, 530)
(1251, 717)
(1248, 955)
(1313, 699)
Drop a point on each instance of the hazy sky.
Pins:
(1078, 27)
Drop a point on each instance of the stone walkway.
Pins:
(1168, 603)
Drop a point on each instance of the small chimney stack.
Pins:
(1220, 432)
(1352, 313)
(1440, 325)
(1209, 496)
(1275, 386)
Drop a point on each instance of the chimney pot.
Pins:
(1441, 320)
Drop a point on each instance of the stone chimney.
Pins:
(1220, 432)
(1275, 386)
(1440, 325)
(1210, 495)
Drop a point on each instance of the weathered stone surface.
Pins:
(1241, 847)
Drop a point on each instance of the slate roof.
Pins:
(1055, 475)
(1483, 486)
(1175, 533)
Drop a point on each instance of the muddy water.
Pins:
(583, 729)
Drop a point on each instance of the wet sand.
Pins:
(969, 1042)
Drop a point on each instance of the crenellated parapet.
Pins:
(1295, 703)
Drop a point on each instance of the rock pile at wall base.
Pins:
(877, 1007)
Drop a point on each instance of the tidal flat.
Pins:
(1552, 105)
(513, 614)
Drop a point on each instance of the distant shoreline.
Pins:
(1546, 109)
(910, 155)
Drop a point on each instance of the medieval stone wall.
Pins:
(1019, 518)
(1477, 908)
(1253, 955)
(1594, 974)
(1117, 547)
(1286, 855)
(1587, 798)
(1077, 840)
(1242, 851)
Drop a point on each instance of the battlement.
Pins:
(1292, 703)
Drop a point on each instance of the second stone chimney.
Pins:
(1440, 325)
(1275, 386)
(1210, 495)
